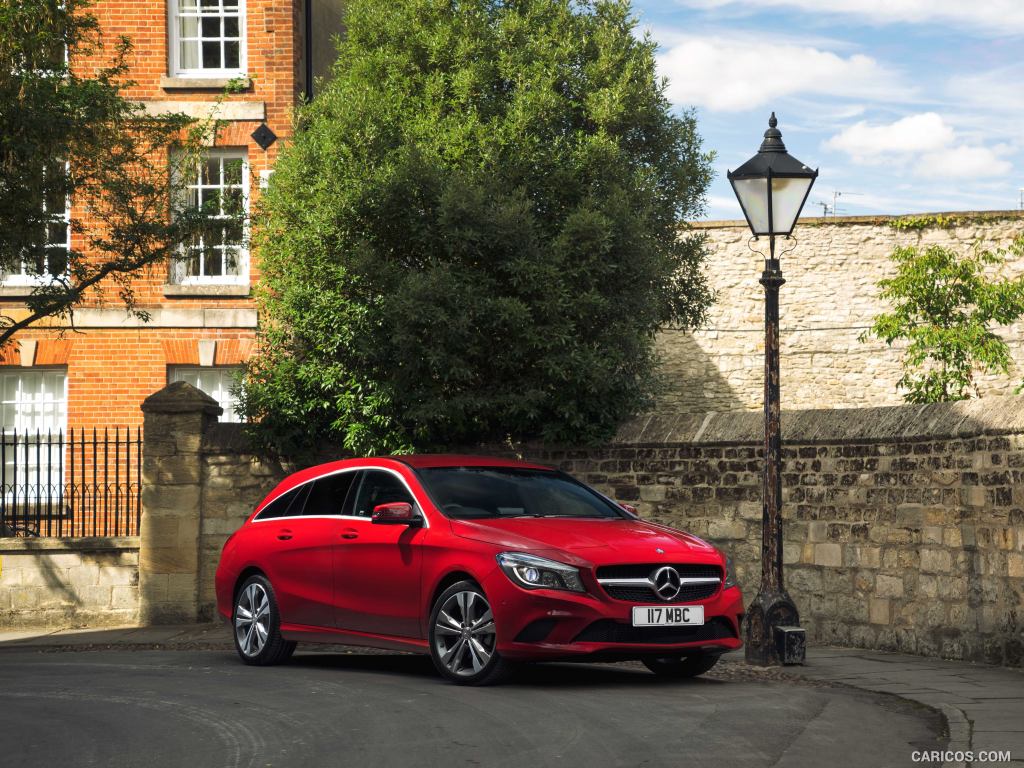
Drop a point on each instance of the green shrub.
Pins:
(476, 232)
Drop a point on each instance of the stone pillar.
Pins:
(175, 419)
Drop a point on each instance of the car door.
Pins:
(300, 563)
(377, 567)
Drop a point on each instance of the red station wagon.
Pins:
(479, 562)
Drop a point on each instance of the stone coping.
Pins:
(964, 216)
(81, 544)
(226, 437)
(1002, 415)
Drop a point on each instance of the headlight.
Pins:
(730, 573)
(534, 572)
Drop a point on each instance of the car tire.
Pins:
(256, 625)
(463, 643)
(679, 667)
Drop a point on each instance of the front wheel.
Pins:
(680, 666)
(257, 624)
(463, 643)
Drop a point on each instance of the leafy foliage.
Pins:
(944, 307)
(476, 232)
(926, 221)
(67, 132)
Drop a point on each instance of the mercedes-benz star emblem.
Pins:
(667, 582)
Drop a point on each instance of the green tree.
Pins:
(944, 307)
(68, 133)
(477, 231)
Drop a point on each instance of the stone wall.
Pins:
(235, 480)
(829, 298)
(905, 525)
(90, 582)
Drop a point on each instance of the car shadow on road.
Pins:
(537, 675)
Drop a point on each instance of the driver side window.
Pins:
(377, 488)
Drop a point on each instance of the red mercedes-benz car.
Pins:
(477, 561)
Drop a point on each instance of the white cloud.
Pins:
(871, 143)
(962, 162)
(728, 74)
(997, 17)
(927, 143)
(722, 207)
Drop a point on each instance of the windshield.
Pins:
(490, 492)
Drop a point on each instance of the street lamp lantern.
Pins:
(772, 188)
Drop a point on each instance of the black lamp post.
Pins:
(772, 188)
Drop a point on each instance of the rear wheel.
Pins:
(680, 666)
(257, 625)
(463, 643)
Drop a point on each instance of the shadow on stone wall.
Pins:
(690, 380)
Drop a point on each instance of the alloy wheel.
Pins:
(464, 635)
(252, 619)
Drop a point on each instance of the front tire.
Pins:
(257, 624)
(463, 642)
(679, 667)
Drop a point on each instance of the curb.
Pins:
(959, 728)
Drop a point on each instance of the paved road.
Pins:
(202, 708)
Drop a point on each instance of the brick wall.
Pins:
(904, 525)
(829, 298)
(69, 582)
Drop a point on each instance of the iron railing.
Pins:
(71, 485)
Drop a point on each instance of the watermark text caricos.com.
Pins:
(960, 756)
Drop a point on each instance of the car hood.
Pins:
(598, 541)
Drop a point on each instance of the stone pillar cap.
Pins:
(181, 397)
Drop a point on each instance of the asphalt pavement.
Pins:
(194, 708)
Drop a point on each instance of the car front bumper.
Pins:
(549, 624)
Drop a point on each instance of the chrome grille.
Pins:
(633, 583)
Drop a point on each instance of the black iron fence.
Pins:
(78, 484)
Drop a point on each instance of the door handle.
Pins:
(350, 533)
(284, 535)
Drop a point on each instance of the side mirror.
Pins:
(630, 509)
(396, 513)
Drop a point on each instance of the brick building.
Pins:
(60, 383)
(203, 315)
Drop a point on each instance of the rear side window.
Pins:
(329, 494)
(286, 505)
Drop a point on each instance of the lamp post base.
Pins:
(773, 632)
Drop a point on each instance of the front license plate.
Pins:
(668, 616)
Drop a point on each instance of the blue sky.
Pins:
(904, 105)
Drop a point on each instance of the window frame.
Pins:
(175, 69)
(182, 186)
(34, 472)
(39, 371)
(24, 278)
